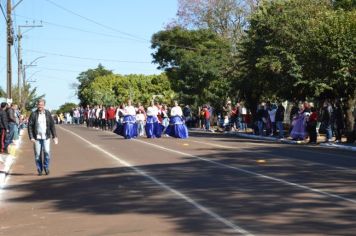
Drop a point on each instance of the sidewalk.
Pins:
(6, 160)
(343, 146)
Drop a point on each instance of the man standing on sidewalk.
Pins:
(3, 126)
(12, 126)
(40, 128)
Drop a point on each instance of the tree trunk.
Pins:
(350, 119)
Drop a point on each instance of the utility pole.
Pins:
(10, 42)
(19, 62)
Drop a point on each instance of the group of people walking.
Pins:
(133, 121)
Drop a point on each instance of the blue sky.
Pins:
(116, 33)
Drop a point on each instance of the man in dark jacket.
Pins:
(11, 118)
(279, 119)
(3, 127)
(40, 129)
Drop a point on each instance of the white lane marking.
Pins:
(271, 142)
(228, 223)
(275, 155)
(253, 173)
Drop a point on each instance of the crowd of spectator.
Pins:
(301, 121)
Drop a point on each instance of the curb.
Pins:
(252, 136)
(349, 148)
(6, 161)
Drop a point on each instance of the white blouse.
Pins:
(176, 111)
(152, 111)
(130, 110)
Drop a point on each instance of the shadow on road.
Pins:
(258, 205)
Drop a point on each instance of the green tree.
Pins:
(116, 89)
(194, 60)
(29, 97)
(2, 92)
(299, 49)
(227, 18)
(66, 107)
(86, 78)
(345, 4)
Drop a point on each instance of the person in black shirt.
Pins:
(3, 127)
(279, 119)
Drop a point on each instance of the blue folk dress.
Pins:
(153, 128)
(177, 127)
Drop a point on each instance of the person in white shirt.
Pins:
(177, 127)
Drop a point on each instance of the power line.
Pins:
(54, 69)
(119, 31)
(93, 21)
(86, 58)
(3, 11)
(141, 40)
(82, 30)
(73, 71)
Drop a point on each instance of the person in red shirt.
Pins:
(110, 114)
(311, 124)
(206, 118)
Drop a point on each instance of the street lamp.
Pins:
(29, 65)
(23, 98)
(28, 79)
(19, 56)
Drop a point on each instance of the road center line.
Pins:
(274, 155)
(273, 142)
(252, 173)
(214, 215)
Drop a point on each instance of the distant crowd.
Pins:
(302, 122)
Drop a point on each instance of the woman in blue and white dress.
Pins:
(177, 127)
(129, 122)
(153, 127)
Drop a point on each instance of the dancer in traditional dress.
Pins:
(177, 127)
(299, 124)
(129, 128)
(153, 126)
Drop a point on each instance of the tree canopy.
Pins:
(113, 89)
(195, 62)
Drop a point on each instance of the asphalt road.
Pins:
(209, 184)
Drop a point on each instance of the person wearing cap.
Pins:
(40, 129)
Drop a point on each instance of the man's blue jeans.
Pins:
(10, 136)
(260, 125)
(42, 144)
(329, 132)
(279, 125)
(207, 124)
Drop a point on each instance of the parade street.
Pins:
(208, 184)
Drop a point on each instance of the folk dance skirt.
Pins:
(153, 128)
(299, 129)
(127, 129)
(177, 128)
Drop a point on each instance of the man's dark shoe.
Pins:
(46, 171)
(39, 172)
